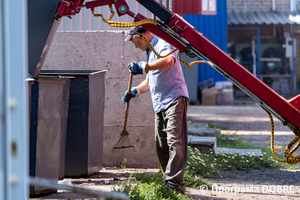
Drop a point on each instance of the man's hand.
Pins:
(134, 93)
(137, 68)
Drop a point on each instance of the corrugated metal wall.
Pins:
(213, 27)
(85, 21)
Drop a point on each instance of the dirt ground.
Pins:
(246, 120)
(253, 124)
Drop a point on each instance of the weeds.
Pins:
(219, 127)
(200, 165)
(124, 163)
(232, 141)
(281, 165)
(209, 165)
(193, 180)
(225, 140)
(150, 187)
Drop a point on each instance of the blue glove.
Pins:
(137, 68)
(134, 93)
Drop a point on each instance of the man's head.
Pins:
(134, 35)
(135, 31)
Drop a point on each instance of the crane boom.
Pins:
(175, 30)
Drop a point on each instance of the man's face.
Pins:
(139, 42)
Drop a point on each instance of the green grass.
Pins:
(149, 187)
(152, 186)
(224, 140)
(281, 165)
(210, 165)
(124, 163)
(219, 127)
(194, 180)
(232, 141)
(201, 165)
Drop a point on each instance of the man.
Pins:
(169, 95)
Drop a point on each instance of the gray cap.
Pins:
(134, 31)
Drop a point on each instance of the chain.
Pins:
(289, 158)
(124, 24)
(182, 61)
(139, 23)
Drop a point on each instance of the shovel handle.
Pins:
(127, 104)
(130, 81)
(130, 84)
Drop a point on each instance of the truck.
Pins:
(172, 28)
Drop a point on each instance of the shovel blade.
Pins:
(123, 142)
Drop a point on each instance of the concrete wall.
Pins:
(108, 51)
(257, 5)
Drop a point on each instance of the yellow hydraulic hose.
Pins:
(139, 23)
(289, 158)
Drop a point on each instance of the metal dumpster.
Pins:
(84, 143)
(49, 101)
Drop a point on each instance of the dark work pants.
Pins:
(171, 141)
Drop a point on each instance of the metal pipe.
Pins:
(82, 6)
(293, 58)
(51, 184)
(244, 5)
(293, 5)
(273, 5)
(254, 57)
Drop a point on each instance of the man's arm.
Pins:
(143, 86)
(161, 63)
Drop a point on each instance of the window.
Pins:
(298, 5)
(295, 5)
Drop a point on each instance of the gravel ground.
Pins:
(248, 121)
(253, 124)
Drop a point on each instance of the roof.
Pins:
(238, 18)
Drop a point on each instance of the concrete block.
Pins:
(83, 53)
(65, 52)
(109, 53)
(143, 154)
(140, 109)
(203, 143)
(245, 152)
(60, 53)
(203, 131)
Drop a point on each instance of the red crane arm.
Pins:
(179, 33)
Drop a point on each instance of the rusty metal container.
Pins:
(49, 102)
(84, 143)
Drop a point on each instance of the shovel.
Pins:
(124, 141)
